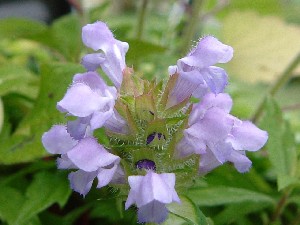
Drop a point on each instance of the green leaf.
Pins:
(187, 211)
(14, 78)
(25, 144)
(286, 181)
(64, 36)
(230, 215)
(281, 144)
(140, 49)
(106, 208)
(213, 196)
(263, 7)
(227, 175)
(10, 201)
(45, 190)
(175, 220)
(13, 28)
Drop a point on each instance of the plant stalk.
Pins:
(192, 25)
(280, 206)
(281, 81)
(141, 20)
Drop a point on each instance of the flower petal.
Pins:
(117, 124)
(80, 100)
(154, 212)
(153, 188)
(57, 140)
(78, 129)
(189, 145)
(99, 118)
(213, 127)
(208, 162)
(65, 163)
(208, 52)
(247, 136)
(92, 61)
(82, 181)
(97, 36)
(134, 183)
(215, 78)
(183, 89)
(90, 156)
(106, 175)
(240, 161)
(91, 79)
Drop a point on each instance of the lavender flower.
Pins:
(87, 156)
(151, 193)
(145, 123)
(112, 58)
(197, 75)
(218, 136)
(89, 97)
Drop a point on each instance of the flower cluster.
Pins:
(158, 140)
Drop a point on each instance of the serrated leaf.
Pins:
(213, 196)
(25, 144)
(45, 190)
(281, 144)
(187, 211)
(253, 58)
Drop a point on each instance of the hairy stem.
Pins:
(141, 20)
(282, 80)
(191, 26)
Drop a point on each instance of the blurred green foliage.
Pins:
(37, 63)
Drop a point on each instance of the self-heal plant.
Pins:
(159, 141)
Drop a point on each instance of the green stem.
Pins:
(282, 80)
(141, 20)
(192, 25)
(280, 206)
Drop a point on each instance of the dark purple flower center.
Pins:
(145, 164)
(151, 137)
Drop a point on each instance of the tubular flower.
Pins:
(218, 136)
(158, 141)
(151, 193)
(97, 36)
(87, 156)
(89, 97)
(197, 75)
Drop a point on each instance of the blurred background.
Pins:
(40, 51)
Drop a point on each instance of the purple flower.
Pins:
(151, 193)
(218, 136)
(197, 75)
(89, 97)
(85, 155)
(117, 124)
(112, 58)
